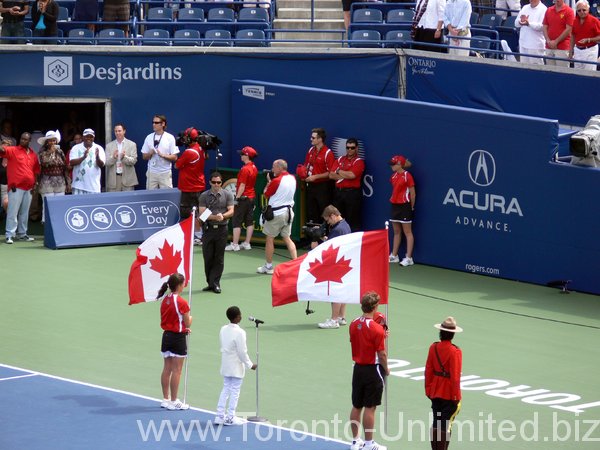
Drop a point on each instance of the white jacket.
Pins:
(234, 353)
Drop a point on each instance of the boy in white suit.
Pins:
(234, 360)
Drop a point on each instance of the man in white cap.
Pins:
(87, 160)
(442, 382)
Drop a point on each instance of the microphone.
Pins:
(255, 320)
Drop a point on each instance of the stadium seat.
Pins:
(187, 38)
(509, 22)
(361, 38)
(220, 15)
(80, 36)
(253, 15)
(398, 38)
(250, 38)
(479, 45)
(156, 37)
(160, 14)
(191, 15)
(111, 36)
(490, 21)
(367, 15)
(474, 19)
(400, 16)
(63, 13)
(218, 38)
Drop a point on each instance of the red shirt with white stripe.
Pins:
(191, 170)
(367, 338)
(355, 165)
(172, 309)
(319, 161)
(281, 191)
(401, 184)
(247, 175)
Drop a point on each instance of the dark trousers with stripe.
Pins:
(349, 202)
(214, 241)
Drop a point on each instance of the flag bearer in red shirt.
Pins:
(442, 382)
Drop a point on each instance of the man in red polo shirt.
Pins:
(367, 339)
(585, 37)
(558, 22)
(319, 162)
(245, 196)
(22, 171)
(348, 172)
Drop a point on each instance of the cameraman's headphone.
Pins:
(191, 134)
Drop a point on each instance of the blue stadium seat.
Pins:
(253, 15)
(80, 36)
(400, 16)
(160, 14)
(218, 38)
(111, 36)
(63, 13)
(361, 38)
(474, 19)
(187, 38)
(156, 37)
(479, 45)
(250, 38)
(398, 38)
(367, 15)
(220, 15)
(509, 22)
(191, 15)
(490, 21)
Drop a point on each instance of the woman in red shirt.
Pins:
(175, 320)
(403, 205)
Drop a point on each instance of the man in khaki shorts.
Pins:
(280, 190)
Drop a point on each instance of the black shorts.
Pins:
(402, 212)
(243, 213)
(346, 4)
(444, 412)
(367, 385)
(173, 344)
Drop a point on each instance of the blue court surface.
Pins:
(40, 411)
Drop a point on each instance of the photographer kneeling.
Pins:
(337, 227)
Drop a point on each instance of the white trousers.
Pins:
(531, 59)
(49, 194)
(587, 54)
(556, 53)
(514, 5)
(231, 391)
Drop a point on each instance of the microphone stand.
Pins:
(257, 417)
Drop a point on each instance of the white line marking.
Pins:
(19, 376)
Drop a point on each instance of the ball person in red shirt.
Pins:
(175, 320)
(403, 206)
(367, 338)
(442, 382)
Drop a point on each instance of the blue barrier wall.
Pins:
(488, 199)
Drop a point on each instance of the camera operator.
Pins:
(191, 181)
(337, 227)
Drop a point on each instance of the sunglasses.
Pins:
(581, 10)
(313, 137)
(350, 147)
(215, 182)
(156, 123)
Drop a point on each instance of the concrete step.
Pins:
(306, 4)
(319, 24)
(300, 45)
(304, 13)
(315, 36)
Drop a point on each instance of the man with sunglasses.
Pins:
(348, 172)
(318, 162)
(214, 237)
(160, 151)
(584, 37)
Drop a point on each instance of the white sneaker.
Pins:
(165, 403)
(198, 241)
(374, 446)
(177, 405)
(357, 444)
(329, 323)
(341, 321)
(407, 262)
(265, 269)
(394, 259)
(232, 248)
(245, 246)
(219, 420)
(233, 421)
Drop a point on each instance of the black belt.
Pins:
(214, 225)
(119, 174)
(585, 48)
(346, 189)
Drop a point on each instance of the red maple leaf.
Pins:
(330, 269)
(168, 262)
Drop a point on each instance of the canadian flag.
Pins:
(162, 254)
(339, 270)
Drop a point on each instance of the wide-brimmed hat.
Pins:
(249, 152)
(88, 132)
(449, 324)
(49, 135)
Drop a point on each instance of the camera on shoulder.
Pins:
(314, 231)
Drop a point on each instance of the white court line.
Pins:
(145, 397)
(19, 376)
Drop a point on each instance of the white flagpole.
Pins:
(191, 271)
(387, 347)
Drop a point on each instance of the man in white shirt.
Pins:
(428, 24)
(531, 38)
(234, 360)
(87, 160)
(160, 151)
(121, 157)
(456, 19)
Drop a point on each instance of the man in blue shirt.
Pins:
(456, 19)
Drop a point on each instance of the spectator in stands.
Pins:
(6, 133)
(22, 170)
(54, 176)
(44, 15)
(73, 126)
(456, 18)
(121, 157)
(116, 11)
(585, 37)
(428, 24)
(86, 11)
(558, 23)
(403, 206)
(160, 151)
(346, 7)
(3, 187)
(348, 172)
(87, 160)
(513, 5)
(191, 173)
(319, 161)
(13, 19)
(280, 191)
(531, 38)
(245, 201)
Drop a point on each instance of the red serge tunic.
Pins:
(437, 385)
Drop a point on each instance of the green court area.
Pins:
(530, 354)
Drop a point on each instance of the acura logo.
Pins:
(482, 168)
